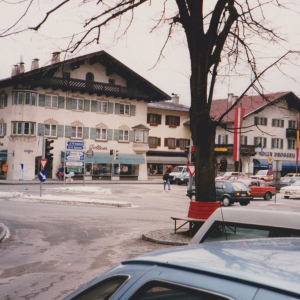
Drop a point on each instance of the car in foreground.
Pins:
(259, 188)
(261, 269)
(239, 223)
(263, 175)
(228, 192)
(292, 190)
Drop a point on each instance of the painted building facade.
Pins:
(92, 98)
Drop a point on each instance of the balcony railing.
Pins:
(291, 133)
(82, 86)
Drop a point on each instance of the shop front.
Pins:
(3, 164)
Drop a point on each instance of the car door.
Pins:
(254, 187)
(219, 190)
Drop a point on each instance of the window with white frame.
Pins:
(223, 139)
(170, 143)
(154, 141)
(2, 129)
(51, 130)
(123, 135)
(260, 121)
(260, 141)
(141, 136)
(102, 106)
(77, 104)
(27, 98)
(20, 97)
(291, 144)
(2, 101)
(23, 128)
(277, 123)
(244, 140)
(77, 132)
(101, 134)
(292, 124)
(51, 101)
(124, 109)
(183, 143)
(277, 143)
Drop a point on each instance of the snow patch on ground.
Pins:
(82, 189)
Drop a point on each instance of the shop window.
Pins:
(277, 143)
(141, 136)
(124, 109)
(260, 121)
(77, 104)
(277, 123)
(51, 130)
(23, 128)
(102, 106)
(51, 101)
(154, 119)
(77, 132)
(101, 134)
(123, 135)
(173, 120)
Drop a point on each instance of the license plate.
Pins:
(243, 195)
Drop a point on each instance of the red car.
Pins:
(263, 175)
(259, 188)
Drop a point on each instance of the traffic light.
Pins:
(187, 150)
(117, 155)
(111, 152)
(48, 148)
(193, 158)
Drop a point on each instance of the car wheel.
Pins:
(226, 201)
(244, 203)
(286, 197)
(268, 196)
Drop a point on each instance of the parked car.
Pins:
(177, 172)
(242, 270)
(238, 223)
(184, 179)
(227, 174)
(228, 192)
(286, 181)
(263, 175)
(259, 188)
(291, 191)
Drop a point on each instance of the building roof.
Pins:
(252, 104)
(138, 87)
(169, 106)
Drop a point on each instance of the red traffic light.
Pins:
(111, 152)
(193, 148)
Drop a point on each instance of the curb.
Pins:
(166, 237)
(3, 232)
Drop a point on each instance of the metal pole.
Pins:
(65, 163)
(83, 167)
(43, 156)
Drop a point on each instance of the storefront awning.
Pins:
(167, 160)
(3, 155)
(260, 163)
(287, 164)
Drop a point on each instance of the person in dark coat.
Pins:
(166, 179)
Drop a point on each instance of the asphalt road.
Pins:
(53, 248)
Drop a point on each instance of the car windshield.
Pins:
(288, 179)
(177, 169)
(262, 172)
(227, 174)
(238, 186)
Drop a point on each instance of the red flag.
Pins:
(239, 113)
(297, 145)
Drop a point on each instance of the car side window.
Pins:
(262, 184)
(164, 291)
(102, 290)
(219, 185)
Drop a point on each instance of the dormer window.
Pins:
(111, 81)
(89, 76)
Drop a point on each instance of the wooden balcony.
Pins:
(291, 133)
(82, 86)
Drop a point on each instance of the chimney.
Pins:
(175, 98)
(22, 67)
(14, 70)
(35, 64)
(234, 98)
(55, 57)
(230, 97)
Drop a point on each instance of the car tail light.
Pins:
(237, 194)
(248, 194)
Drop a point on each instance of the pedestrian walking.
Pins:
(166, 179)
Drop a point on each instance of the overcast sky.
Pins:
(139, 49)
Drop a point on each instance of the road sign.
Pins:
(42, 175)
(75, 155)
(75, 145)
(270, 159)
(74, 163)
(43, 163)
(270, 172)
(74, 169)
(191, 169)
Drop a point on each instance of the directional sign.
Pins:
(42, 175)
(74, 163)
(75, 145)
(74, 169)
(191, 169)
(43, 163)
(75, 155)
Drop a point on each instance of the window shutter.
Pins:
(110, 108)
(265, 121)
(116, 134)
(86, 132)
(14, 98)
(188, 142)
(167, 120)
(290, 124)
(219, 139)
(4, 129)
(265, 142)
(86, 105)
(273, 122)
(148, 118)
(166, 142)
(226, 139)
(117, 108)
(60, 131)
(255, 120)
(272, 142)
(109, 134)
(132, 110)
(5, 100)
(93, 133)
(68, 131)
(131, 136)
(41, 99)
(178, 121)
(61, 102)
(94, 106)
(281, 123)
(41, 129)
(158, 141)
(159, 119)
(246, 140)
(177, 142)
(281, 143)
(68, 103)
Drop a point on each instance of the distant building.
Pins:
(93, 98)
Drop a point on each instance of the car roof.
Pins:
(271, 263)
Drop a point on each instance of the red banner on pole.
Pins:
(239, 113)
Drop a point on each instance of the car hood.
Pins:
(291, 187)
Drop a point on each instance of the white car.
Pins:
(177, 172)
(292, 190)
(239, 223)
